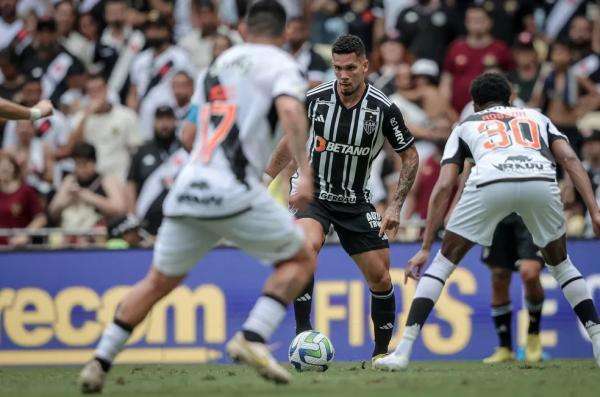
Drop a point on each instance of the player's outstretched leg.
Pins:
(428, 291)
(131, 311)
(284, 285)
(534, 300)
(302, 307)
(575, 290)
(502, 315)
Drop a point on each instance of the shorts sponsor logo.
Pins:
(207, 200)
(374, 219)
(322, 145)
(519, 163)
(338, 198)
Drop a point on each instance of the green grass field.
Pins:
(564, 378)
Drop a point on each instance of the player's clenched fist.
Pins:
(45, 107)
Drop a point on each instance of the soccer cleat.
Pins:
(391, 362)
(501, 355)
(377, 357)
(596, 348)
(533, 348)
(258, 356)
(91, 377)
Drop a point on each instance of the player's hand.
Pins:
(304, 190)
(415, 265)
(596, 222)
(45, 107)
(390, 223)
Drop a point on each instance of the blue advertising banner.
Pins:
(54, 306)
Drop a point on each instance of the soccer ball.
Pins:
(311, 351)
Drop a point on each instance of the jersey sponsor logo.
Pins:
(208, 200)
(398, 134)
(321, 145)
(338, 198)
(519, 163)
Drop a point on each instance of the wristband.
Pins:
(35, 114)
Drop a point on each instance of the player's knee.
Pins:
(500, 278)
(307, 260)
(381, 281)
(160, 284)
(530, 276)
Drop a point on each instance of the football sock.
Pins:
(264, 318)
(111, 343)
(502, 315)
(535, 314)
(383, 314)
(302, 306)
(428, 291)
(575, 290)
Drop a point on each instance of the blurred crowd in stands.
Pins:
(122, 75)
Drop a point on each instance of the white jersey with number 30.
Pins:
(506, 144)
(236, 130)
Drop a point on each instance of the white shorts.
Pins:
(479, 210)
(266, 231)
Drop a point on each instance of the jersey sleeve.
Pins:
(395, 130)
(289, 81)
(553, 132)
(456, 150)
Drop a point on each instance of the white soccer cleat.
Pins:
(392, 362)
(91, 377)
(596, 348)
(258, 356)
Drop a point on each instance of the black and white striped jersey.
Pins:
(343, 142)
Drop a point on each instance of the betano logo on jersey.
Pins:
(321, 145)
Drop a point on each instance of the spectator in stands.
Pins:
(117, 46)
(152, 70)
(89, 27)
(327, 20)
(590, 152)
(45, 58)
(313, 64)
(467, 58)
(66, 18)
(34, 157)
(510, 15)
(179, 98)
(362, 17)
(199, 42)
(87, 199)
(427, 28)
(580, 37)
(561, 94)
(111, 128)
(153, 170)
(386, 59)
(426, 93)
(415, 117)
(20, 205)
(10, 24)
(527, 66)
(13, 77)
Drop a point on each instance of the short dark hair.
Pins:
(349, 44)
(200, 4)
(266, 18)
(84, 151)
(478, 7)
(490, 88)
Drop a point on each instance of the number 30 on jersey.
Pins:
(519, 131)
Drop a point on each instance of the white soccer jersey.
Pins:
(236, 130)
(506, 144)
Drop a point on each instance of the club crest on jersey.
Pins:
(321, 145)
(370, 125)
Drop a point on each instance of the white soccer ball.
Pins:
(311, 351)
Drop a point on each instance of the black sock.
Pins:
(419, 311)
(302, 306)
(586, 312)
(383, 314)
(534, 307)
(502, 315)
(104, 364)
(252, 336)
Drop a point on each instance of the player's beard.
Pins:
(349, 91)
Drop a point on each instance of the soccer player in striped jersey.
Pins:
(349, 122)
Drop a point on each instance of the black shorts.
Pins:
(357, 225)
(512, 242)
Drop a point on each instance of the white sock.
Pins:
(265, 317)
(577, 293)
(112, 342)
(432, 281)
(409, 336)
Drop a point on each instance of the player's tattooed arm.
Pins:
(408, 173)
(281, 157)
